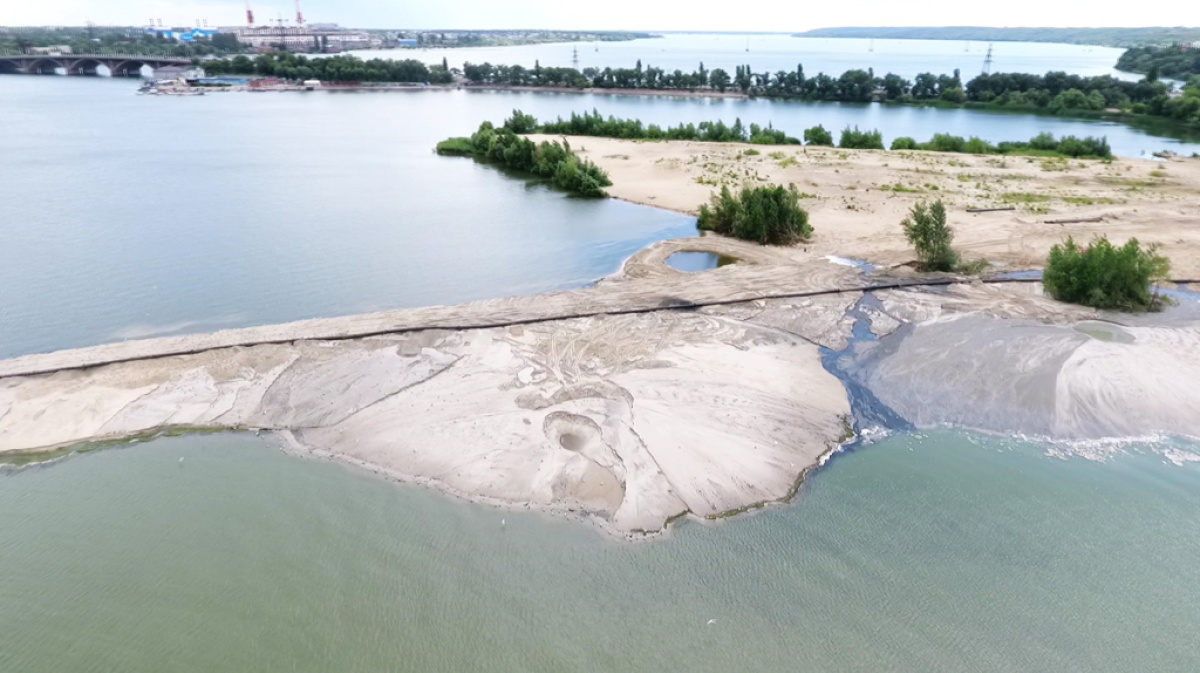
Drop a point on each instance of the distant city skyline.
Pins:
(751, 15)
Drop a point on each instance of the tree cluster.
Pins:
(1177, 61)
(341, 68)
(551, 160)
(767, 215)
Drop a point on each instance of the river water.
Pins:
(771, 53)
(922, 553)
(126, 216)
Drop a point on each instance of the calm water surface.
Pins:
(771, 53)
(922, 553)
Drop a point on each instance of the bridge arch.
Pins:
(42, 65)
(128, 68)
(86, 66)
(10, 67)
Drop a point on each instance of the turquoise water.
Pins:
(923, 553)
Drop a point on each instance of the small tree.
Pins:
(1102, 275)
(925, 227)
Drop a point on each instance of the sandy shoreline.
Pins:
(856, 206)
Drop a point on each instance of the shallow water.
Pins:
(938, 552)
(698, 261)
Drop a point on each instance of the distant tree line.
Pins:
(1177, 61)
(1054, 92)
(341, 68)
(551, 160)
(595, 124)
(114, 40)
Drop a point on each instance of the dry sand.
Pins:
(856, 209)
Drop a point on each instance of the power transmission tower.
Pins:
(987, 62)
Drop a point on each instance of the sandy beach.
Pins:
(857, 198)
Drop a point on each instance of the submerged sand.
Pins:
(857, 198)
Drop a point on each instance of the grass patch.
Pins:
(456, 147)
(1024, 197)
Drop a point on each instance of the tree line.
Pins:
(1054, 92)
(597, 125)
(341, 68)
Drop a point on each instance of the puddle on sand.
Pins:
(1104, 331)
(692, 262)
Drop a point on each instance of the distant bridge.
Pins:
(119, 65)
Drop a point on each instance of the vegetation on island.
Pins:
(1111, 37)
(594, 124)
(1043, 144)
(341, 68)
(1176, 61)
(768, 215)
(551, 160)
(854, 139)
(1105, 276)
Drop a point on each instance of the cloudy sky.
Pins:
(754, 15)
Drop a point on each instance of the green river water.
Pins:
(930, 552)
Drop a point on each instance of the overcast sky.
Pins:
(750, 15)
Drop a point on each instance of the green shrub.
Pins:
(944, 142)
(751, 152)
(978, 146)
(521, 123)
(817, 135)
(1102, 275)
(904, 143)
(768, 215)
(925, 227)
(854, 139)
